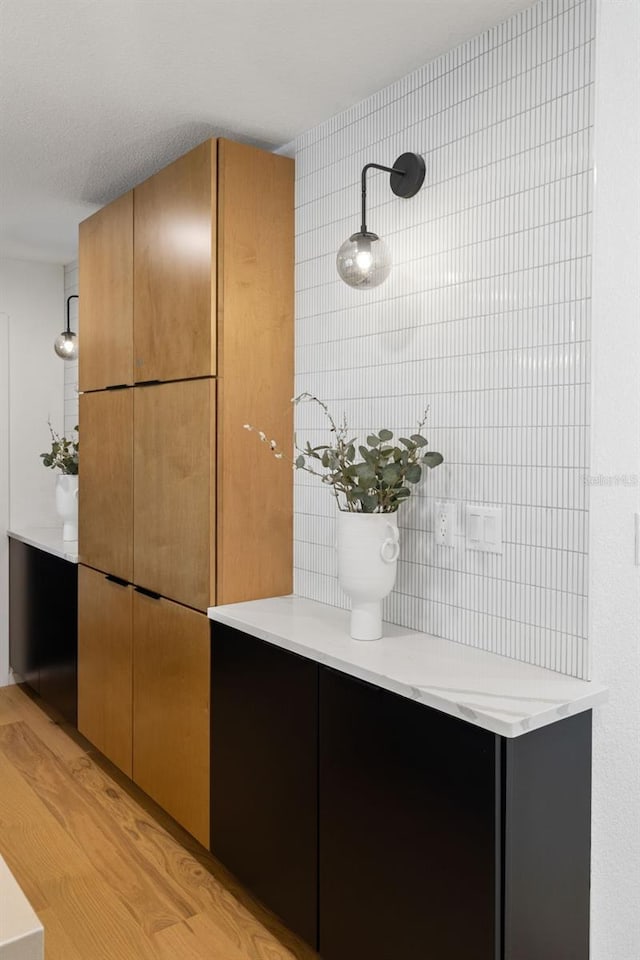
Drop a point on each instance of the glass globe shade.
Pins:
(364, 260)
(66, 345)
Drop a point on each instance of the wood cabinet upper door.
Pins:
(105, 490)
(174, 258)
(105, 271)
(104, 665)
(174, 442)
(171, 709)
(255, 364)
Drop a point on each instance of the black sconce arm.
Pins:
(74, 296)
(407, 176)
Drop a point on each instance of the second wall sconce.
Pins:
(66, 345)
(364, 260)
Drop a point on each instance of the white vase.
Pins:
(67, 504)
(368, 548)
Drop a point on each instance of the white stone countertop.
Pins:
(48, 539)
(501, 695)
(21, 933)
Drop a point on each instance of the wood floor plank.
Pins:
(110, 875)
(150, 900)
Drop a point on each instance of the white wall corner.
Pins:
(614, 483)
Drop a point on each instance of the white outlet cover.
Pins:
(444, 523)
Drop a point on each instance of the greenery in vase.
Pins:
(63, 455)
(375, 477)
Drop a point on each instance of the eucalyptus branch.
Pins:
(372, 478)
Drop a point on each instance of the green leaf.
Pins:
(414, 472)
(373, 440)
(386, 435)
(392, 473)
(365, 473)
(368, 455)
(407, 443)
(325, 459)
(419, 440)
(432, 459)
(351, 452)
(300, 461)
(403, 493)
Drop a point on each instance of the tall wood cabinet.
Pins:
(186, 316)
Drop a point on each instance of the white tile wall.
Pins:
(485, 318)
(71, 366)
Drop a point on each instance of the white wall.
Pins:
(486, 316)
(4, 497)
(615, 492)
(32, 295)
(32, 385)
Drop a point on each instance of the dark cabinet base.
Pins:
(423, 835)
(43, 610)
(407, 828)
(264, 777)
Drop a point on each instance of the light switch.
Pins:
(475, 526)
(484, 529)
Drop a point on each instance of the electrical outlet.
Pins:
(444, 523)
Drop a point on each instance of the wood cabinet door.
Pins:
(104, 665)
(174, 268)
(105, 277)
(174, 440)
(171, 709)
(105, 491)
(264, 729)
(409, 829)
(255, 363)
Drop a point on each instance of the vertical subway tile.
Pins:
(486, 318)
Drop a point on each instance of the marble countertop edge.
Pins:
(48, 539)
(501, 695)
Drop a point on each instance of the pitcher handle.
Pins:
(390, 548)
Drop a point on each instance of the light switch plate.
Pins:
(484, 529)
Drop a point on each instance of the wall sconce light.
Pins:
(364, 259)
(66, 345)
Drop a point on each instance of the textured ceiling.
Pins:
(95, 95)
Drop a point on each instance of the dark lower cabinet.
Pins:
(43, 609)
(408, 831)
(264, 773)
(380, 829)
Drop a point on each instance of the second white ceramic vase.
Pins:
(368, 547)
(67, 504)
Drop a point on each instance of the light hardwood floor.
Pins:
(109, 874)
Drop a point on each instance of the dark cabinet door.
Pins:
(58, 609)
(264, 773)
(408, 843)
(43, 603)
(24, 650)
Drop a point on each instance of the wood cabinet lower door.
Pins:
(104, 665)
(171, 709)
